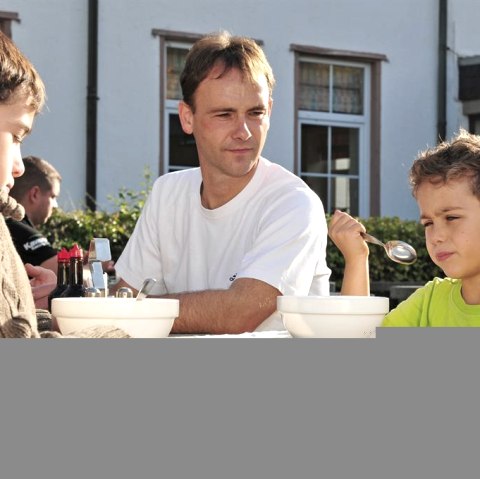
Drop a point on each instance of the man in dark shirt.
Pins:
(37, 191)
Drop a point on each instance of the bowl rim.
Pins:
(115, 308)
(333, 304)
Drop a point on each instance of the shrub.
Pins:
(80, 226)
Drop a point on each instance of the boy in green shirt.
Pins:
(445, 182)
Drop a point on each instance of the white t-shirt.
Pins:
(274, 230)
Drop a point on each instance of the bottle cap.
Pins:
(63, 255)
(76, 251)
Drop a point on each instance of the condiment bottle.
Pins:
(75, 283)
(63, 261)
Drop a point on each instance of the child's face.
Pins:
(450, 213)
(16, 121)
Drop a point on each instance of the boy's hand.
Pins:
(345, 231)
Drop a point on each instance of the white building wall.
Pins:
(53, 33)
(463, 41)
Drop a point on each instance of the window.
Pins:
(330, 164)
(177, 149)
(337, 114)
(6, 19)
(181, 149)
(474, 124)
(332, 119)
(469, 90)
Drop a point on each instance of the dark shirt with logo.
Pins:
(31, 245)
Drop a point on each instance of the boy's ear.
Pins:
(186, 117)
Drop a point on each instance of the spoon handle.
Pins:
(371, 239)
(145, 289)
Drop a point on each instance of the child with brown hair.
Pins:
(446, 184)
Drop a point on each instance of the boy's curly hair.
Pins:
(458, 158)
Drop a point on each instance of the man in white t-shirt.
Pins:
(229, 237)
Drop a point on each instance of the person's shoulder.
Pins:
(11, 222)
(178, 176)
(19, 225)
(442, 284)
(437, 288)
(283, 194)
(276, 170)
(278, 176)
(176, 181)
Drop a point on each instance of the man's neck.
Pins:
(216, 192)
(28, 216)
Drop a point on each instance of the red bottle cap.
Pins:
(76, 252)
(63, 256)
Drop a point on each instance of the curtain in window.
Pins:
(347, 88)
(314, 86)
(175, 63)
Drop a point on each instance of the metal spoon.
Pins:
(146, 288)
(398, 251)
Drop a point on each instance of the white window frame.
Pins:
(362, 122)
(170, 107)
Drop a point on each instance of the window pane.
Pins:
(314, 149)
(314, 86)
(320, 186)
(183, 152)
(475, 124)
(344, 195)
(175, 63)
(345, 151)
(348, 90)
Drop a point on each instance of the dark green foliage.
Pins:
(381, 267)
(80, 226)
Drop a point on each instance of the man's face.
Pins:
(230, 123)
(16, 121)
(44, 203)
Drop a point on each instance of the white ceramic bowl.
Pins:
(148, 318)
(332, 316)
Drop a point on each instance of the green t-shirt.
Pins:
(439, 304)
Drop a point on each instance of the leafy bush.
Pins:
(80, 226)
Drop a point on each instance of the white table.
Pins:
(257, 335)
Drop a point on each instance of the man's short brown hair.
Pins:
(228, 51)
(38, 172)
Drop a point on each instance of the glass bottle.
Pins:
(75, 282)
(63, 261)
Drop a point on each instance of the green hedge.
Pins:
(80, 226)
(66, 228)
